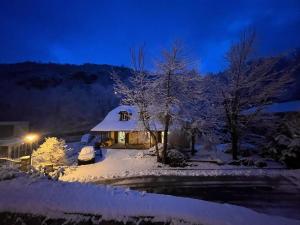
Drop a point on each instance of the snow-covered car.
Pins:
(86, 155)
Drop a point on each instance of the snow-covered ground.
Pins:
(120, 163)
(219, 155)
(55, 199)
(115, 163)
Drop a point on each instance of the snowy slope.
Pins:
(59, 98)
(53, 199)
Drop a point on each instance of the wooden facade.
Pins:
(132, 139)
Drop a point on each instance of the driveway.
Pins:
(271, 195)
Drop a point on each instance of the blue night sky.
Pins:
(103, 31)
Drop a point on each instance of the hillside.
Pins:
(57, 97)
(64, 98)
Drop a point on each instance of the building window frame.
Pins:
(124, 116)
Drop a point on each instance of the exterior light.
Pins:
(30, 138)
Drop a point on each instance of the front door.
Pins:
(121, 137)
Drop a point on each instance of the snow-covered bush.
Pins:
(285, 144)
(175, 158)
(291, 155)
(152, 150)
(51, 152)
(8, 172)
(57, 172)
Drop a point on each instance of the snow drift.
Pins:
(56, 199)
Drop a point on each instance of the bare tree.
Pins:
(137, 92)
(158, 95)
(248, 85)
(200, 110)
(170, 84)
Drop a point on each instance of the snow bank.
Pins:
(54, 199)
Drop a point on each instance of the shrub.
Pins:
(285, 145)
(51, 152)
(175, 158)
(291, 155)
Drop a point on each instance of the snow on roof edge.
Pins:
(111, 121)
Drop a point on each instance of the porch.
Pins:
(130, 139)
(14, 148)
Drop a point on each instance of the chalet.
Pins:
(125, 129)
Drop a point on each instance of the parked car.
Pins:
(86, 155)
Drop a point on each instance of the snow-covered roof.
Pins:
(112, 121)
(292, 106)
(11, 141)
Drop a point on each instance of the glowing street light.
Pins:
(30, 138)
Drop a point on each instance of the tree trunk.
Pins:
(157, 152)
(193, 138)
(234, 143)
(152, 134)
(165, 147)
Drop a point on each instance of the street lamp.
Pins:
(30, 139)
